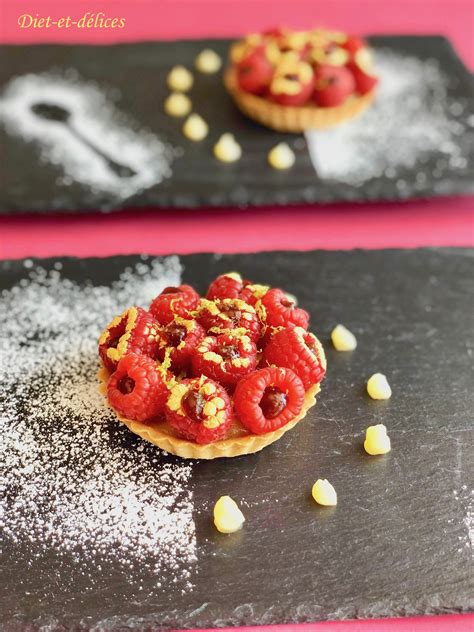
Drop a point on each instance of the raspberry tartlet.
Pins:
(292, 81)
(219, 376)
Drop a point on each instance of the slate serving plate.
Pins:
(132, 78)
(400, 540)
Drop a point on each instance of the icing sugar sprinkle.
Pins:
(95, 118)
(411, 119)
(71, 483)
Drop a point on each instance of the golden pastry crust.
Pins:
(285, 118)
(239, 443)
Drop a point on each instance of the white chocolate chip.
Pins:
(227, 516)
(195, 128)
(281, 156)
(179, 79)
(343, 339)
(208, 62)
(376, 440)
(227, 149)
(324, 493)
(378, 387)
(178, 104)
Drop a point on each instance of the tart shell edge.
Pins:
(226, 448)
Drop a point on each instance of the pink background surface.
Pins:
(445, 222)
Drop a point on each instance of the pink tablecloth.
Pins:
(432, 223)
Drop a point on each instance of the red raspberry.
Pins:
(303, 86)
(299, 350)
(363, 71)
(254, 72)
(278, 309)
(364, 82)
(174, 301)
(226, 358)
(333, 85)
(268, 399)
(226, 314)
(179, 339)
(353, 44)
(137, 389)
(134, 331)
(226, 286)
(199, 410)
(252, 292)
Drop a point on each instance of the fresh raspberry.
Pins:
(199, 410)
(178, 339)
(364, 82)
(363, 70)
(254, 71)
(333, 85)
(278, 309)
(299, 350)
(227, 285)
(293, 82)
(174, 301)
(353, 44)
(226, 358)
(268, 399)
(137, 389)
(134, 331)
(252, 292)
(226, 314)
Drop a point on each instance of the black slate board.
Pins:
(138, 72)
(397, 543)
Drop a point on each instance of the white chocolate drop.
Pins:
(227, 149)
(324, 493)
(195, 128)
(281, 156)
(179, 79)
(343, 339)
(208, 62)
(178, 104)
(378, 387)
(227, 516)
(376, 440)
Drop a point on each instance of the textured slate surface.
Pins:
(138, 71)
(398, 543)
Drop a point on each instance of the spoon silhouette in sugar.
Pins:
(59, 114)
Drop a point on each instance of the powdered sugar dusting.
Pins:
(411, 119)
(71, 482)
(95, 117)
